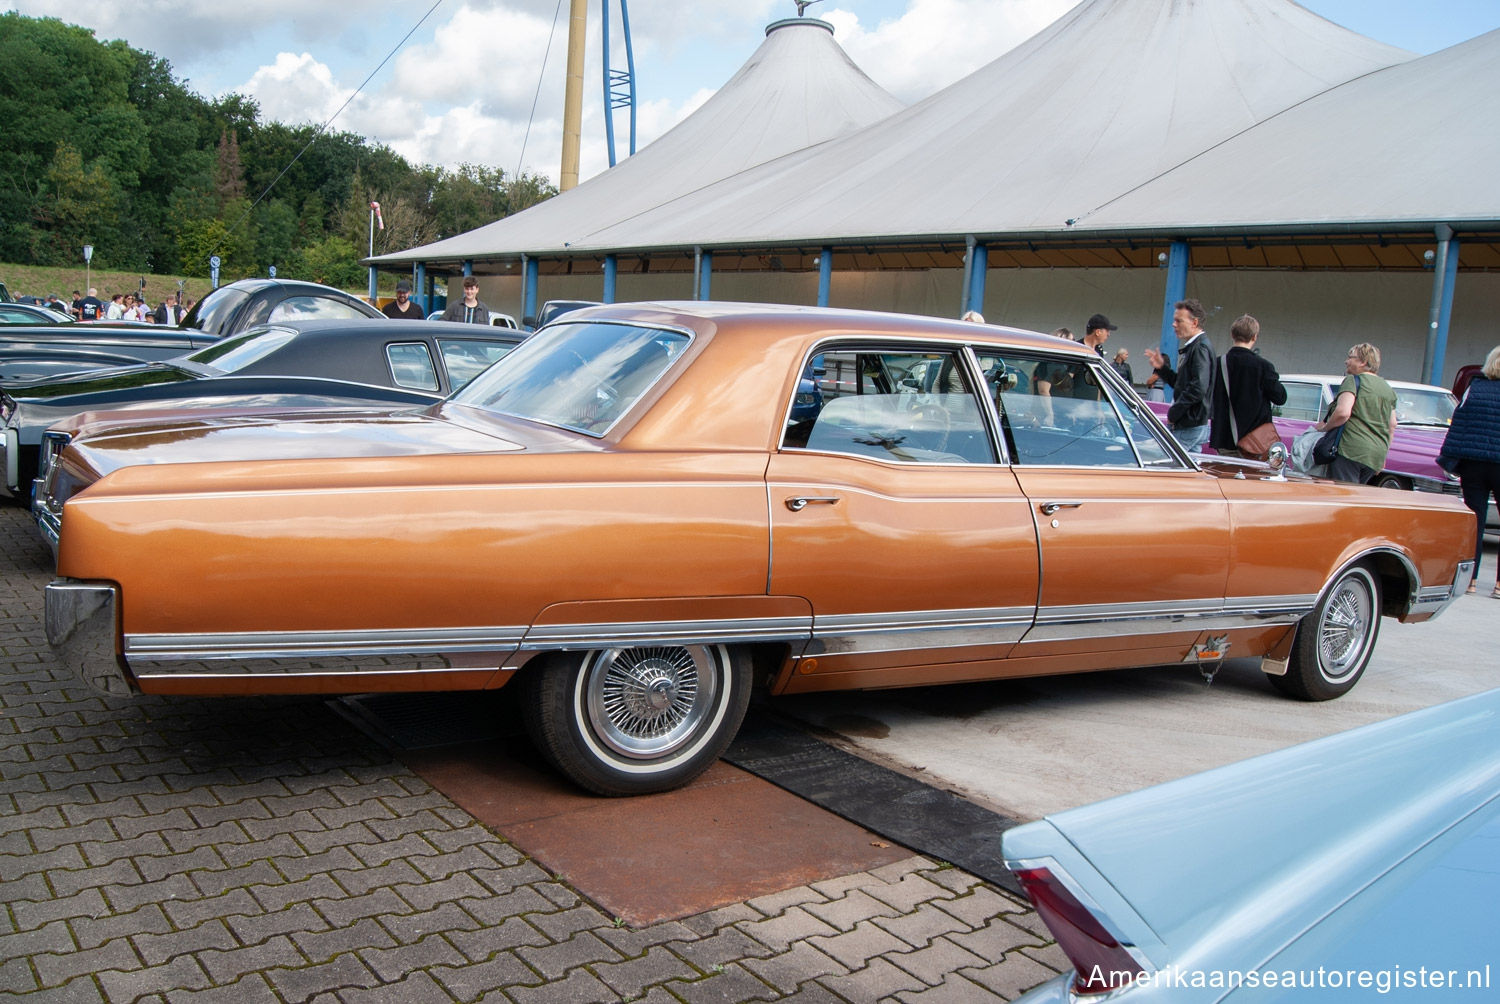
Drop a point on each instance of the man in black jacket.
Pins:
(1254, 385)
(1192, 380)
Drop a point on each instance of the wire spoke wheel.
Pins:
(623, 721)
(1334, 643)
(1344, 632)
(646, 702)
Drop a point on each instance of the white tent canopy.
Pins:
(1111, 95)
(798, 89)
(1414, 143)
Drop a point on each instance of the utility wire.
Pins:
(541, 74)
(324, 127)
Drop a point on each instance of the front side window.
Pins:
(411, 365)
(1303, 401)
(914, 407)
(466, 358)
(1060, 411)
(582, 375)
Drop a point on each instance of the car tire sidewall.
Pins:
(557, 714)
(1308, 676)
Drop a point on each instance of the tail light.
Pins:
(1102, 962)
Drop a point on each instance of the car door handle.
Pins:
(1051, 508)
(799, 502)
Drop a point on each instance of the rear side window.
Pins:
(893, 405)
(305, 307)
(411, 365)
(466, 358)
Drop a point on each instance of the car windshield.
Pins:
(212, 312)
(238, 351)
(1424, 406)
(581, 376)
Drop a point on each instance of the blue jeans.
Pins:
(1192, 437)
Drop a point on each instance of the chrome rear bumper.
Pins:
(83, 629)
(1433, 600)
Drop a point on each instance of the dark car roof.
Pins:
(246, 302)
(347, 351)
(336, 348)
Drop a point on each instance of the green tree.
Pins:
(335, 262)
(76, 206)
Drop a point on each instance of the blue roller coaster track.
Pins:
(619, 85)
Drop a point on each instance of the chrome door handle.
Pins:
(799, 502)
(1051, 508)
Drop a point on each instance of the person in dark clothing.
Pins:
(469, 310)
(90, 308)
(1121, 364)
(1254, 385)
(402, 308)
(1192, 380)
(1472, 451)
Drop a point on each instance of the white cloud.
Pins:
(935, 42)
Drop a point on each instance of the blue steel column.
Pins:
(705, 274)
(1177, 273)
(981, 255)
(963, 292)
(611, 269)
(531, 269)
(1444, 278)
(825, 275)
(420, 285)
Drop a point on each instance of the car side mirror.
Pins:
(1276, 458)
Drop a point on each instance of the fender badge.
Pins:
(1210, 649)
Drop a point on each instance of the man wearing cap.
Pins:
(1096, 332)
(402, 308)
(470, 309)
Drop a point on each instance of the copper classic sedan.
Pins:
(646, 510)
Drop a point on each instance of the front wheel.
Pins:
(627, 721)
(1335, 641)
(1387, 480)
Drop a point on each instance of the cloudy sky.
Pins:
(463, 76)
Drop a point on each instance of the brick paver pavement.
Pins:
(237, 850)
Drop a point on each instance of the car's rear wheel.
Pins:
(626, 721)
(1335, 641)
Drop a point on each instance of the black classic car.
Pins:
(44, 349)
(288, 364)
(248, 302)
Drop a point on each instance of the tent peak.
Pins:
(787, 22)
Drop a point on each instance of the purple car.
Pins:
(1423, 414)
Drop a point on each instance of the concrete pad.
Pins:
(1029, 747)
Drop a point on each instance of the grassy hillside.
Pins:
(34, 280)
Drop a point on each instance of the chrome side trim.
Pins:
(365, 667)
(895, 631)
(554, 637)
(1102, 620)
(320, 644)
(80, 620)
